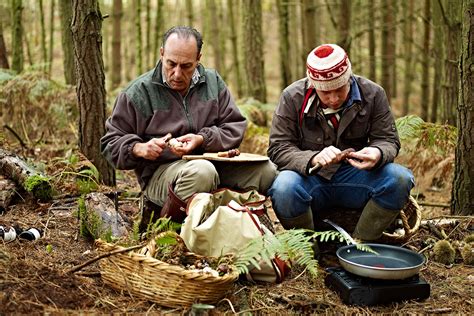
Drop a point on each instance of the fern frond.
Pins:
(363, 247)
(291, 245)
(409, 126)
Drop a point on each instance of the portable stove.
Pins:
(356, 290)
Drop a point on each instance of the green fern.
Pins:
(409, 126)
(291, 245)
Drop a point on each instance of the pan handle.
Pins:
(341, 230)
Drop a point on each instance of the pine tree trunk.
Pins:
(3, 50)
(148, 34)
(235, 51)
(394, 37)
(51, 38)
(463, 186)
(138, 38)
(296, 44)
(253, 49)
(44, 53)
(17, 36)
(158, 30)
(308, 27)
(284, 43)
(425, 62)
(116, 72)
(371, 34)
(408, 58)
(190, 12)
(91, 95)
(387, 47)
(344, 25)
(65, 10)
(453, 31)
(213, 35)
(438, 44)
(26, 42)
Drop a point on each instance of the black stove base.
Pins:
(355, 290)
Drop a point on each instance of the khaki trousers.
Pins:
(194, 176)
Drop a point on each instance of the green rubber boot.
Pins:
(373, 221)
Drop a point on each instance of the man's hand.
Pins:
(152, 149)
(189, 143)
(366, 158)
(327, 156)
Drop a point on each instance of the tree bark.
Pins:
(371, 34)
(463, 186)
(408, 55)
(116, 73)
(138, 38)
(17, 36)
(253, 48)
(31, 180)
(344, 25)
(308, 27)
(3, 50)
(158, 30)
(235, 51)
(190, 12)
(7, 192)
(387, 47)
(44, 51)
(51, 38)
(86, 31)
(425, 62)
(214, 34)
(438, 51)
(148, 34)
(65, 10)
(452, 12)
(284, 43)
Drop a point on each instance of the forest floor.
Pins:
(35, 278)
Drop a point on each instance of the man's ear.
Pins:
(199, 57)
(161, 52)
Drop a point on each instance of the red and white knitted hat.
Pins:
(328, 67)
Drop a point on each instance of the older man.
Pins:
(334, 139)
(179, 99)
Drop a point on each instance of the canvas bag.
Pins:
(223, 222)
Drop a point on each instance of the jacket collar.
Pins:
(159, 78)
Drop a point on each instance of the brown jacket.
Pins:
(148, 108)
(294, 141)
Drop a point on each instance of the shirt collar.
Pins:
(194, 78)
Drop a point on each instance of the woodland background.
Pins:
(63, 62)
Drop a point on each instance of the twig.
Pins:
(104, 255)
(230, 304)
(433, 204)
(436, 231)
(22, 143)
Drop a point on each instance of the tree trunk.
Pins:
(51, 38)
(438, 45)
(452, 11)
(463, 186)
(387, 47)
(17, 36)
(308, 27)
(371, 34)
(253, 49)
(8, 190)
(296, 43)
(148, 34)
(190, 12)
(138, 38)
(158, 30)
(26, 42)
(344, 25)
(284, 43)
(213, 36)
(116, 73)
(3, 50)
(235, 50)
(44, 52)
(425, 62)
(86, 31)
(394, 48)
(408, 58)
(65, 10)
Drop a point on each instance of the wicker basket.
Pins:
(160, 282)
(411, 219)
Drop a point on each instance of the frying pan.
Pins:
(388, 263)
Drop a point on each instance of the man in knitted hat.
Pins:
(334, 139)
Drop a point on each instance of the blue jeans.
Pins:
(389, 187)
